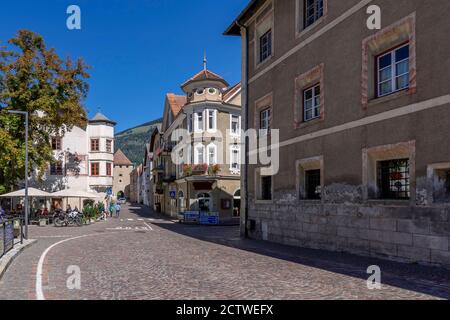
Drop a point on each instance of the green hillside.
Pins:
(132, 141)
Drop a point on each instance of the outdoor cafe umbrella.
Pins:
(32, 193)
(72, 193)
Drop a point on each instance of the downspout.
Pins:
(245, 73)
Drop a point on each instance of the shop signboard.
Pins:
(209, 218)
(191, 216)
(2, 237)
(8, 236)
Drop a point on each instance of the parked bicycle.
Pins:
(72, 218)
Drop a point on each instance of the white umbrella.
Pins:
(32, 192)
(71, 193)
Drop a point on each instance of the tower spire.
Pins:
(205, 61)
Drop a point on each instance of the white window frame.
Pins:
(238, 127)
(196, 153)
(234, 170)
(265, 130)
(190, 122)
(197, 128)
(208, 154)
(393, 78)
(314, 105)
(214, 128)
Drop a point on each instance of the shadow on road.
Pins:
(424, 279)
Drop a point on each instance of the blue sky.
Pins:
(138, 49)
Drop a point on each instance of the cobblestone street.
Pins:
(144, 256)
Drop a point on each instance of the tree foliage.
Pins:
(51, 89)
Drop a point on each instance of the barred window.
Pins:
(313, 10)
(394, 180)
(265, 46)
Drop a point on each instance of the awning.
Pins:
(32, 192)
(72, 193)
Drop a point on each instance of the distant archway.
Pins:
(120, 195)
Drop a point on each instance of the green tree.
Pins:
(51, 89)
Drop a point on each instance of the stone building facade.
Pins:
(208, 178)
(83, 161)
(363, 118)
(122, 171)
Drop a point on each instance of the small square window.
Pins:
(393, 179)
(95, 145)
(265, 46)
(56, 169)
(56, 144)
(393, 71)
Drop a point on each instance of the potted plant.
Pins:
(187, 170)
(213, 169)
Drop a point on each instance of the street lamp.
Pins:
(26, 168)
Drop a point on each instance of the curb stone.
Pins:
(8, 258)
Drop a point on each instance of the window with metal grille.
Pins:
(266, 188)
(312, 185)
(311, 103)
(394, 180)
(393, 71)
(313, 10)
(265, 46)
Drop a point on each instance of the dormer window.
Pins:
(200, 92)
(212, 91)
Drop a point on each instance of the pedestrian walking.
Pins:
(118, 208)
(112, 209)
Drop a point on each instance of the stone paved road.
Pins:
(144, 256)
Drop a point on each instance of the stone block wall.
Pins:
(398, 232)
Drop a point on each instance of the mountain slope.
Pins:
(132, 141)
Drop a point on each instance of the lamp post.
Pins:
(26, 168)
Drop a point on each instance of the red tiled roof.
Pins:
(120, 159)
(176, 103)
(205, 75)
(231, 91)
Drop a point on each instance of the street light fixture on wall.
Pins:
(26, 169)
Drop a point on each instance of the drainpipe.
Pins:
(245, 72)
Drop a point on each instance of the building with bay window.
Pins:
(364, 119)
(83, 160)
(206, 178)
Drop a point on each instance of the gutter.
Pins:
(245, 74)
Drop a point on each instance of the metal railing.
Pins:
(10, 229)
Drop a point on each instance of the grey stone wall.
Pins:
(398, 232)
